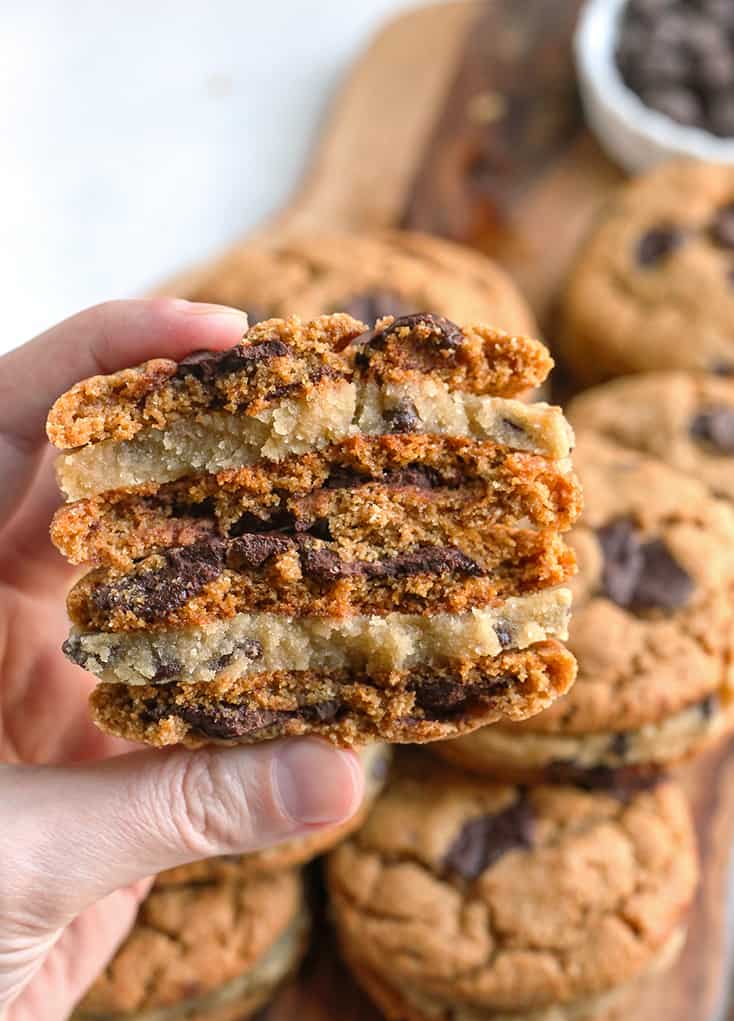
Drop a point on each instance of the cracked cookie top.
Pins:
(651, 627)
(190, 939)
(510, 899)
(369, 276)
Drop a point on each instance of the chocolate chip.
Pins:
(166, 669)
(709, 706)
(373, 305)
(420, 476)
(154, 594)
(714, 427)
(504, 634)
(657, 243)
(253, 551)
(621, 782)
(320, 529)
(324, 565)
(403, 418)
(344, 477)
(250, 648)
(449, 335)
(639, 575)
(722, 227)
(209, 365)
(227, 721)
(484, 840)
(619, 745)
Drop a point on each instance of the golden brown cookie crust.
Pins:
(651, 286)
(445, 889)
(190, 940)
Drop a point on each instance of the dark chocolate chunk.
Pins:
(226, 721)
(250, 648)
(344, 477)
(709, 706)
(504, 634)
(484, 840)
(639, 575)
(722, 227)
(448, 334)
(324, 565)
(252, 551)
(403, 418)
(201, 509)
(209, 365)
(619, 745)
(621, 782)
(714, 427)
(166, 669)
(373, 305)
(420, 476)
(658, 243)
(154, 594)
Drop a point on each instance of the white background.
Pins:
(137, 137)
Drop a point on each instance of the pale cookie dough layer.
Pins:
(237, 999)
(498, 751)
(413, 1006)
(217, 441)
(264, 642)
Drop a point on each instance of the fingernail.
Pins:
(204, 308)
(317, 783)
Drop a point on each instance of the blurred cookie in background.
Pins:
(653, 285)
(461, 898)
(651, 631)
(684, 419)
(376, 762)
(204, 951)
(369, 276)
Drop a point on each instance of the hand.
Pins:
(81, 824)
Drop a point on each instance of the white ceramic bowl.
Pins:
(632, 134)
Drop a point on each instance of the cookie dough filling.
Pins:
(349, 708)
(249, 644)
(214, 441)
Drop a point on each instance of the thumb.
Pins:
(69, 836)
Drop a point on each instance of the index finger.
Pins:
(101, 339)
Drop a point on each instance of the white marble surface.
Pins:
(137, 137)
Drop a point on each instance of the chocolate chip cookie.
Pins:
(463, 899)
(299, 851)
(653, 286)
(651, 631)
(331, 529)
(369, 276)
(684, 419)
(206, 951)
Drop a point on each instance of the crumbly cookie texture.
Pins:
(684, 419)
(369, 276)
(299, 356)
(191, 586)
(417, 706)
(299, 851)
(651, 627)
(443, 896)
(409, 487)
(291, 387)
(204, 950)
(652, 286)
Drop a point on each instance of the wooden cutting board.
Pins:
(463, 120)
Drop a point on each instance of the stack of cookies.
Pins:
(328, 529)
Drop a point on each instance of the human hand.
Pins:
(81, 824)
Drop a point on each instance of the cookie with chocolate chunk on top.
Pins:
(651, 631)
(460, 898)
(652, 287)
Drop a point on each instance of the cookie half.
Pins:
(651, 631)
(443, 905)
(207, 951)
